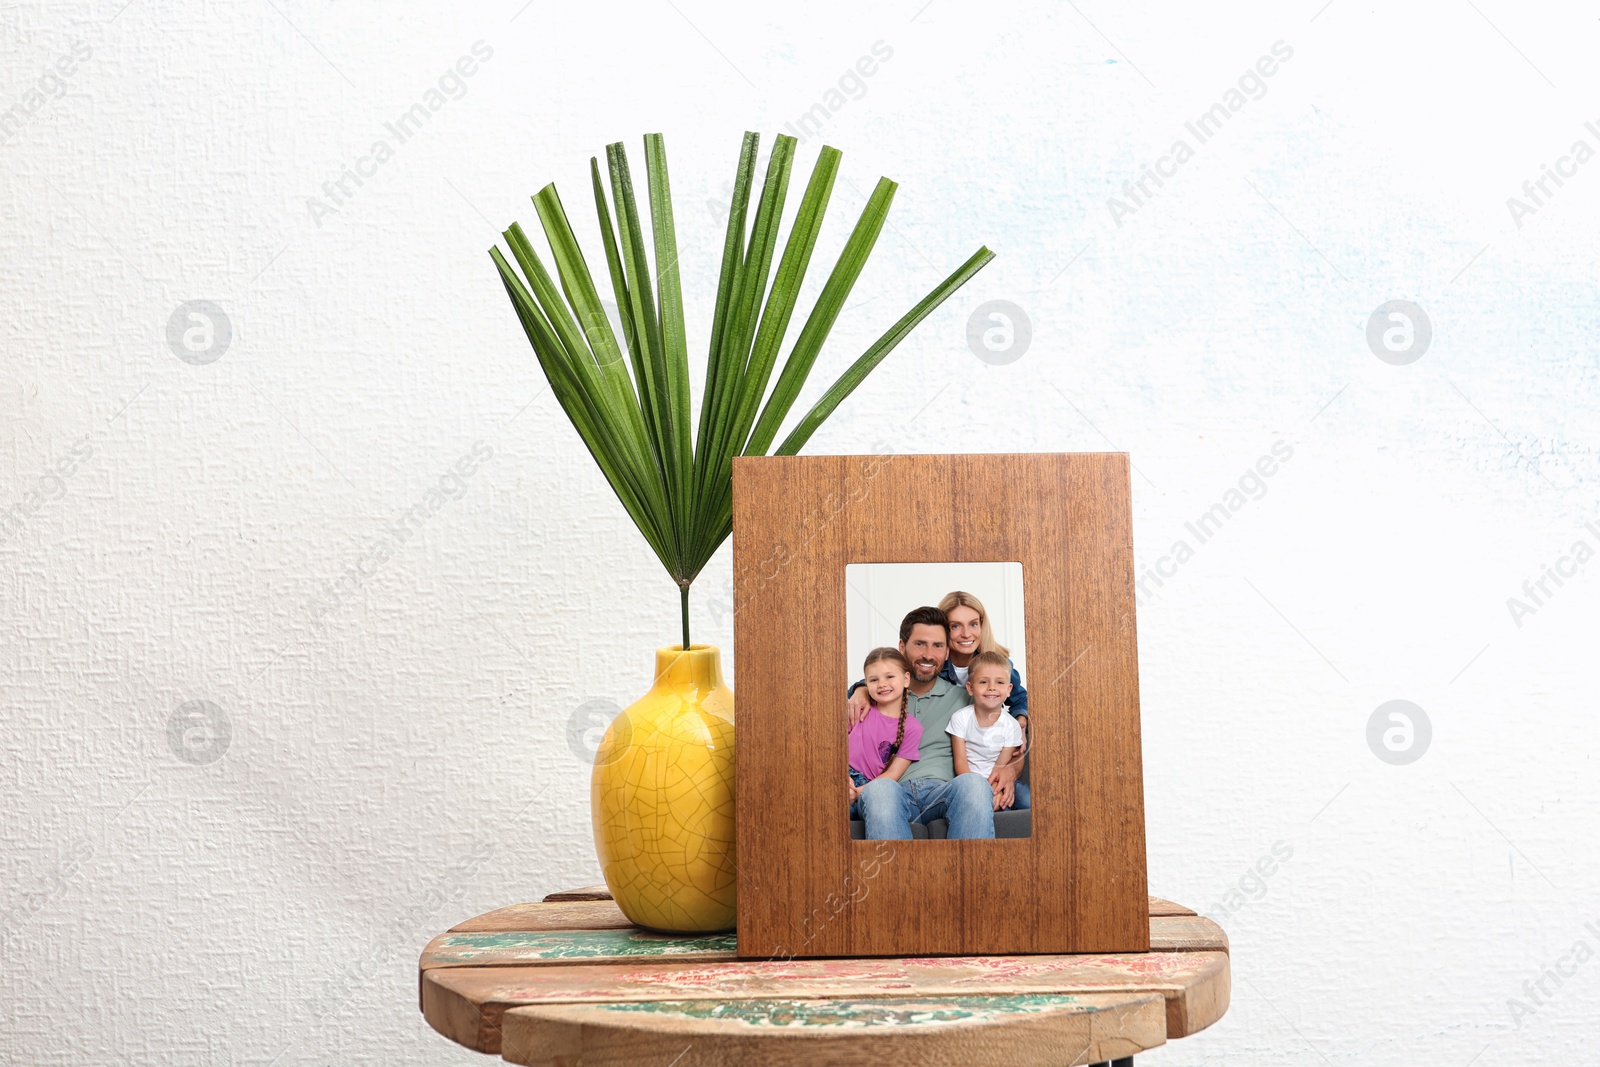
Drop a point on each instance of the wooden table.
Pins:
(571, 982)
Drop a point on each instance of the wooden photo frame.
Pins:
(1078, 883)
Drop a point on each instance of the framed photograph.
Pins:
(938, 706)
(905, 625)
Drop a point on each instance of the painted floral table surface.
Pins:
(570, 982)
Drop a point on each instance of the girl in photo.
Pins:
(883, 744)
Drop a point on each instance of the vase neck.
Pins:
(700, 667)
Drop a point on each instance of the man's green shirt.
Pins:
(933, 709)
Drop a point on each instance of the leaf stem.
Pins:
(684, 588)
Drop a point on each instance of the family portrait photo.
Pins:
(936, 710)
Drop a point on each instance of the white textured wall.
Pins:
(398, 756)
(878, 595)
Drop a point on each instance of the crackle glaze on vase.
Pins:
(662, 797)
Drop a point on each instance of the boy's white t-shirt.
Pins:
(984, 743)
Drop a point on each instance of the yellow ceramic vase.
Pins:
(662, 797)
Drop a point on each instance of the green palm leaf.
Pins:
(680, 491)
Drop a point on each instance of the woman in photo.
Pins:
(970, 634)
(883, 744)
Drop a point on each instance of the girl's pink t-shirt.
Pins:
(871, 737)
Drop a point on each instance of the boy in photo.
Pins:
(984, 735)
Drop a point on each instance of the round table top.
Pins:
(570, 980)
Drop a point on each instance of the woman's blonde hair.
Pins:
(986, 641)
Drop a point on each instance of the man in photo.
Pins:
(930, 789)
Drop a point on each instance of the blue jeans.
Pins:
(860, 780)
(888, 807)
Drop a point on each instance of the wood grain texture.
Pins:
(1168, 933)
(467, 1004)
(1186, 933)
(1167, 907)
(518, 948)
(1158, 905)
(1031, 1030)
(805, 889)
(588, 892)
(563, 915)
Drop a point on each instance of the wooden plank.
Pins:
(600, 893)
(805, 889)
(588, 892)
(1168, 933)
(1186, 933)
(1102, 756)
(1167, 907)
(1027, 1030)
(521, 948)
(497, 920)
(1194, 984)
(458, 1016)
(564, 915)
